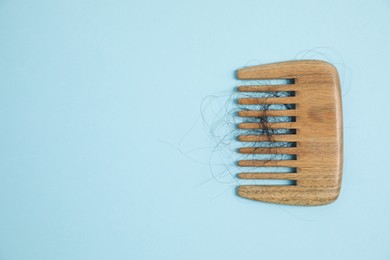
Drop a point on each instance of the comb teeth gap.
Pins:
(271, 156)
(269, 93)
(268, 182)
(267, 107)
(275, 132)
(267, 146)
(269, 83)
(271, 170)
(265, 118)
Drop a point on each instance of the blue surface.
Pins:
(103, 154)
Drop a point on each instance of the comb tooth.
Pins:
(274, 194)
(266, 113)
(267, 163)
(273, 138)
(272, 125)
(280, 70)
(268, 150)
(269, 71)
(288, 194)
(266, 88)
(267, 175)
(266, 101)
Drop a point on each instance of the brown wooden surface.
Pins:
(318, 138)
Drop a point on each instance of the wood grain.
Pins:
(318, 138)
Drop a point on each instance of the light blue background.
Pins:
(97, 96)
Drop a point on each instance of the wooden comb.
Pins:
(316, 132)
